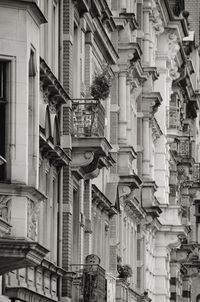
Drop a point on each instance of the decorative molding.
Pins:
(32, 221)
(157, 22)
(173, 50)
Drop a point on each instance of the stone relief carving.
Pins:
(157, 22)
(173, 50)
(5, 210)
(33, 212)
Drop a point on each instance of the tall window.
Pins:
(76, 226)
(31, 118)
(2, 116)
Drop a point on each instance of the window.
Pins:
(32, 145)
(2, 116)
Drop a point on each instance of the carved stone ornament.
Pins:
(33, 212)
(5, 207)
(157, 22)
(173, 50)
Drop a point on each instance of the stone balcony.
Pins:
(90, 149)
(34, 283)
(18, 227)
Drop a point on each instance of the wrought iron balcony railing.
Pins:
(182, 147)
(196, 173)
(89, 283)
(88, 118)
(173, 118)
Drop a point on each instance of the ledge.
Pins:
(152, 71)
(152, 101)
(18, 253)
(153, 211)
(48, 79)
(104, 43)
(21, 190)
(25, 294)
(130, 49)
(133, 181)
(55, 154)
(100, 200)
(30, 5)
(46, 264)
(130, 18)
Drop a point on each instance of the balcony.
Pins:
(19, 206)
(89, 283)
(38, 283)
(88, 118)
(182, 147)
(173, 118)
(125, 293)
(90, 149)
(196, 173)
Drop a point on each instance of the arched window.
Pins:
(198, 298)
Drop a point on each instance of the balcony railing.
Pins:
(173, 118)
(88, 118)
(88, 283)
(196, 173)
(182, 147)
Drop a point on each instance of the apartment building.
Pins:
(99, 150)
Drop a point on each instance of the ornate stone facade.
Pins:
(99, 198)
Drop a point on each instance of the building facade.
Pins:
(99, 150)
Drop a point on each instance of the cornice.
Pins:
(30, 5)
(104, 43)
(21, 190)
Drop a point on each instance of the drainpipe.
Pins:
(60, 229)
(60, 65)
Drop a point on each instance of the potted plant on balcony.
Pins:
(100, 88)
(125, 271)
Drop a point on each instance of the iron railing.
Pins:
(173, 118)
(89, 283)
(196, 173)
(182, 147)
(88, 118)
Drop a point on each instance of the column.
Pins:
(88, 60)
(88, 218)
(146, 26)
(129, 111)
(122, 110)
(146, 153)
(151, 143)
